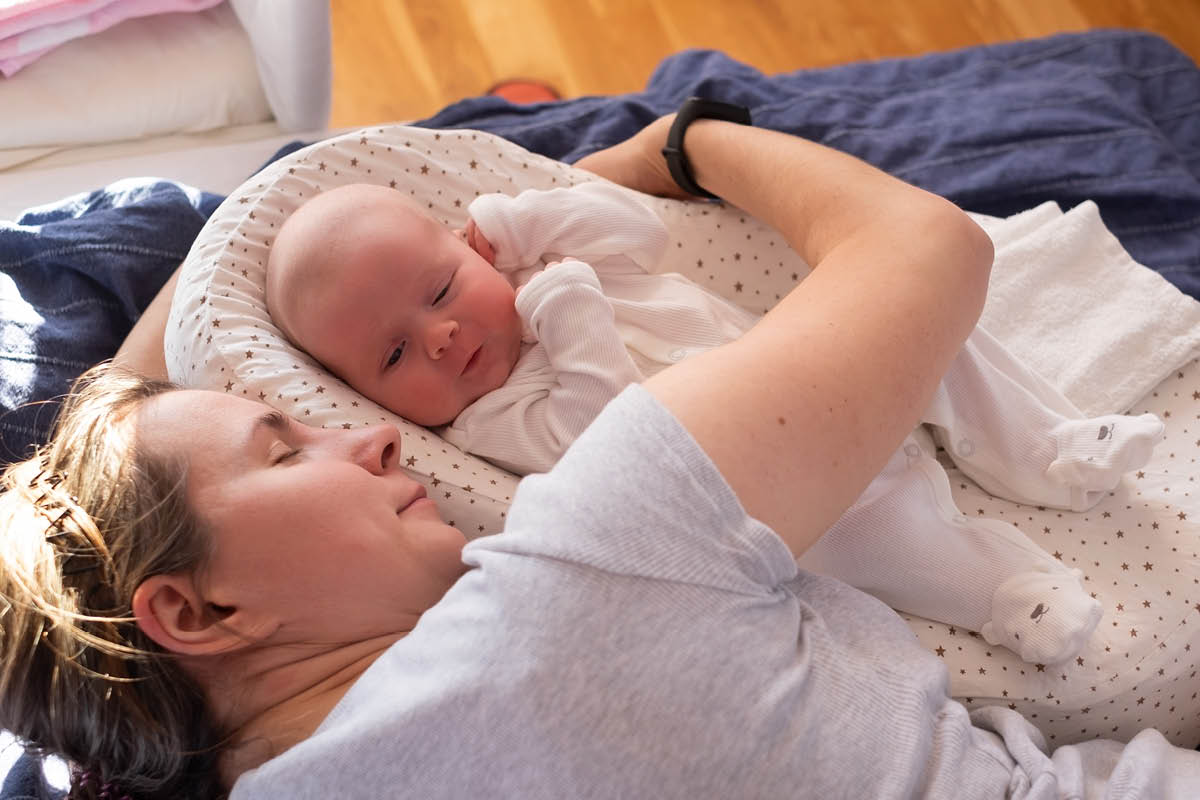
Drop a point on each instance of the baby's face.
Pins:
(407, 313)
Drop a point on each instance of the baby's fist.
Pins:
(479, 243)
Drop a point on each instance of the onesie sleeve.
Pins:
(590, 221)
(528, 429)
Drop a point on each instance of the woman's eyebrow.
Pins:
(272, 420)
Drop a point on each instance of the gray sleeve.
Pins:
(636, 495)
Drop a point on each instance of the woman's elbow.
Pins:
(979, 253)
(968, 252)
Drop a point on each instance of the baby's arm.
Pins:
(591, 221)
(526, 428)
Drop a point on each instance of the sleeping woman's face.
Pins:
(318, 534)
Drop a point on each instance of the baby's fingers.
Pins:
(479, 243)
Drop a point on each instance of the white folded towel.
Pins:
(1068, 300)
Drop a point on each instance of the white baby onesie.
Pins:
(601, 322)
(598, 321)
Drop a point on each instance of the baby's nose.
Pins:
(439, 336)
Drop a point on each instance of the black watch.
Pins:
(695, 108)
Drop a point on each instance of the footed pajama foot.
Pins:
(1093, 454)
(1044, 617)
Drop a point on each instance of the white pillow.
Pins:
(293, 47)
(220, 336)
(166, 73)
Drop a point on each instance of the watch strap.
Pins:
(695, 108)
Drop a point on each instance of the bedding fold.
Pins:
(1069, 301)
(26, 37)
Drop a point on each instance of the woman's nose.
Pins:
(438, 337)
(376, 448)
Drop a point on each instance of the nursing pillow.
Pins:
(220, 336)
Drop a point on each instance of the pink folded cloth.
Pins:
(31, 28)
(18, 16)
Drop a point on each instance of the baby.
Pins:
(430, 323)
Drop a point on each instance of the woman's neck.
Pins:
(276, 703)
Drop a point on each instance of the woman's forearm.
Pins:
(818, 197)
(802, 412)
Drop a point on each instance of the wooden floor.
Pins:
(405, 59)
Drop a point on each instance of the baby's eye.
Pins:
(395, 356)
(441, 294)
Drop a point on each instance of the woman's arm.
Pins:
(803, 411)
(142, 349)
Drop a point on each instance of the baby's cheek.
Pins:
(424, 400)
(395, 398)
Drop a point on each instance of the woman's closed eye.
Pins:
(283, 427)
(284, 453)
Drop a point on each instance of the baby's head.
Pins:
(392, 302)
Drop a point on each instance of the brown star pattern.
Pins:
(1137, 548)
(1131, 533)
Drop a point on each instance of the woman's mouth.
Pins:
(417, 497)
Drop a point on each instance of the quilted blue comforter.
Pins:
(1111, 116)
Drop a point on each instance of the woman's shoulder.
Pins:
(636, 495)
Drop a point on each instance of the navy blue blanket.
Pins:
(1111, 116)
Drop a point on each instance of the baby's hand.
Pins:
(479, 243)
(587, 276)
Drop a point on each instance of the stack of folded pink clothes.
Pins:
(31, 28)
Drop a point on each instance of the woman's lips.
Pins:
(417, 496)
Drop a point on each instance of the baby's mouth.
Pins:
(473, 361)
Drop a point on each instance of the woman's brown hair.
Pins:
(85, 521)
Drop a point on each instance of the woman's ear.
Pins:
(170, 611)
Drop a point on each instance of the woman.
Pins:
(638, 630)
